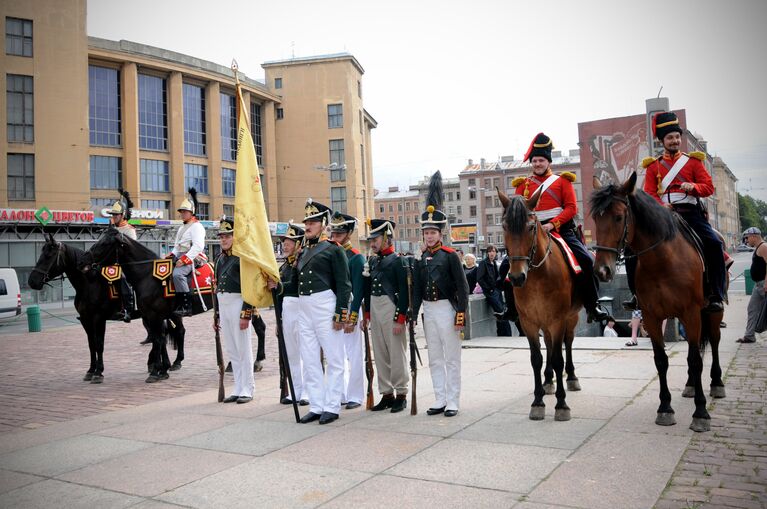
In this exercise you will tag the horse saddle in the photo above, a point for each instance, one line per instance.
(200, 280)
(572, 261)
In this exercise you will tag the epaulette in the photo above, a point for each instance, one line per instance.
(568, 175)
(517, 181)
(448, 249)
(700, 156)
(647, 161)
(354, 250)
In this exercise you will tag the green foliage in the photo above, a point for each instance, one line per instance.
(752, 212)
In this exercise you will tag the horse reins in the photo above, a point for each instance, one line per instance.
(623, 243)
(531, 256)
(56, 261)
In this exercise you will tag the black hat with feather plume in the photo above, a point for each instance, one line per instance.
(433, 217)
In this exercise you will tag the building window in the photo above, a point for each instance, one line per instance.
(228, 210)
(458, 210)
(161, 205)
(496, 182)
(335, 115)
(152, 113)
(277, 82)
(338, 199)
(104, 106)
(457, 195)
(18, 37)
(488, 202)
(472, 211)
(359, 89)
(407, 206)
(196, 175)
(21, 176)
(20, 104)
(391, 208)
(337, 159)
(472, 194)
(106, 172)
(489, 219)
(496, 202)
(497, 219)
(100, 203)
(203, 211)
(381, 209)
(280, 114)
(228, 177)
(194, 120)
(228, 127)
(364, 165)
(255, 131)
(399, 207)
(472, 182)
(155, 176)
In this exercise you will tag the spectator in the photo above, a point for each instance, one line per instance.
(609, 331)
(488, 279)
(470, 269)
(758, 270)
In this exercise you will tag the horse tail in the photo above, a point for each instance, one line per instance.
(705, 332)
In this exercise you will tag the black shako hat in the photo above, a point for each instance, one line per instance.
(342, 223)
(316, 211)
(540, 146)
(380, 227)
(665, 122)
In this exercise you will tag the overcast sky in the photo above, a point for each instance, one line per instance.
(452, 80)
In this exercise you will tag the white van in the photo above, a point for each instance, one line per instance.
(10, 294)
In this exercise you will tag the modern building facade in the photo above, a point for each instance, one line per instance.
(404, 208)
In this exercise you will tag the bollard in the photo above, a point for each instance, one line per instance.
(749, 281)
(33, 319)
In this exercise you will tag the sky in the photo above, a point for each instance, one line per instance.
(450, 80)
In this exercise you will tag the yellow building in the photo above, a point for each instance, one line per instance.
(86, 116)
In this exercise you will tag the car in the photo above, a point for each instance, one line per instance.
(10, 293)
(744, 248)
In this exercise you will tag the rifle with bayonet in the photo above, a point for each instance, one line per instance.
(219, 351)
(414, 353)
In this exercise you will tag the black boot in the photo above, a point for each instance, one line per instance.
(596, 313)
(183, 304)
(510, 313)
(387, 401)
(631, 304)
(127, 307)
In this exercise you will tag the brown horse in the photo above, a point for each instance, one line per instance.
(545, 298)
(669, 283)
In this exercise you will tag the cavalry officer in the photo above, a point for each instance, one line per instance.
(341, 229)
(440, 284)
(324, 289)
(119, 215)
(679, 181)
(234, 316)
(291, 244)
(190, 242)
(556, 209)
(386, 296)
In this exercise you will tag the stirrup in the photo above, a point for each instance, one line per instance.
(631, 304)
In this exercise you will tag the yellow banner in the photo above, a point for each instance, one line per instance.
(252, 240)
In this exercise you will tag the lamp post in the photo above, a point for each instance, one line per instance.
(333, 167)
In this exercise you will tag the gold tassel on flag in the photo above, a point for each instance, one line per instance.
(252, 240)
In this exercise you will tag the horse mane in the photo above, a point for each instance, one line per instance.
(651, 216)
(516, 215)
(141, 249)
(601, 199)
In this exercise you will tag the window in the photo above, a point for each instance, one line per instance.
(361, 122)
(338, 199)
(488, 183)
(399, 207)
(458, 211)
(228, 177)
(391, 208)
(203, 211)
(407, 206)
(161, 205)
(228, 127)
(449, 196)
(337, 158)
(152, 113)
(20, 105)
(497, 219)
(100, 203)
(496, 202)
(18, 37)
(457, 195)
(381, 209)
(335, 116)
(450, 210)
(255, 131)
(194, 120)
(196, 175)
(21, 176)
(472, 182)
(359, 89)
(104, 106)
(277, 82)
(496, 182)
(488, 202)
(228, 210)
(472, 211)
(155, 176)
(489, 219)
(106, 172)
(399, 220)
(472, 194)
(280, 113)
(364, 167)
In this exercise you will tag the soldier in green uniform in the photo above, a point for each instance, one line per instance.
(234, 316)
(386, 295)
(324, 289)
(341, 229)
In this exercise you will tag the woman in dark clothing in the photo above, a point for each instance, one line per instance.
(470, 269)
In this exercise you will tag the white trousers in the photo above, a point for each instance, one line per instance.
(291, 333)
(354, 373)
(315, 324)
(444, 345)
(237, 343)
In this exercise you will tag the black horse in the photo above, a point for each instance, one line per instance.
(92, 300)
(136, 261)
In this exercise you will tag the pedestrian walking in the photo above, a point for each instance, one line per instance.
(758, 271)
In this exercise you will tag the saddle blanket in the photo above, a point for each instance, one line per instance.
(569, 256)
(204, 277)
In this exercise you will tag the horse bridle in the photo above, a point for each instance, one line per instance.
(623, 243)
(534, 246)
(56, 261)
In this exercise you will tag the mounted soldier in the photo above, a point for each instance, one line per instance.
(556, 210)
(190, 243)
(119, 214)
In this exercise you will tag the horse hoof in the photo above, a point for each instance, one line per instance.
(175, 367)
(688, 392)
(152, 379)
(88, 377)
(537, 413)
(717, 391)
(549, 389)
(665, 419)
(163, 376)
(97, 379)
(700, 424)
(573, 385)
(562, 414)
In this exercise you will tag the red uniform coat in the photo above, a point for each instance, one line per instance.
(693, 171)
(564, 196)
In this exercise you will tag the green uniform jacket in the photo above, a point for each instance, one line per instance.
(356, 264)
(439, 275)
(388, 276)
(322, 266)
(227, 272)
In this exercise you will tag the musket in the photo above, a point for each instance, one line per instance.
(368, 357)
(414, 353)
(283, 353)
(219, 352)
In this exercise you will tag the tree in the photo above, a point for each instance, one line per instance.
(752, 212)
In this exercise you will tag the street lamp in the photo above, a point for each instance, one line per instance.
(331, 168)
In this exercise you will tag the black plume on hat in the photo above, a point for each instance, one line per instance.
(128, 204)
(434, 217)
(193, 194)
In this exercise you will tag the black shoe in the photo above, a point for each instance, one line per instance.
(244, 399)
(231, 399)
(352, 405)
(328, 417)
(303, 402)
(386, 402)
(435, 411)
(399, 405)
(258, 366)
(451, 413)
(184, 304)
(125, 316)
(147, 341)
(228, 368)
(310, 417)
(511, 314)
(714, 306)
(598, 314)
(286, 401)
(498, 316)
(631, 304)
